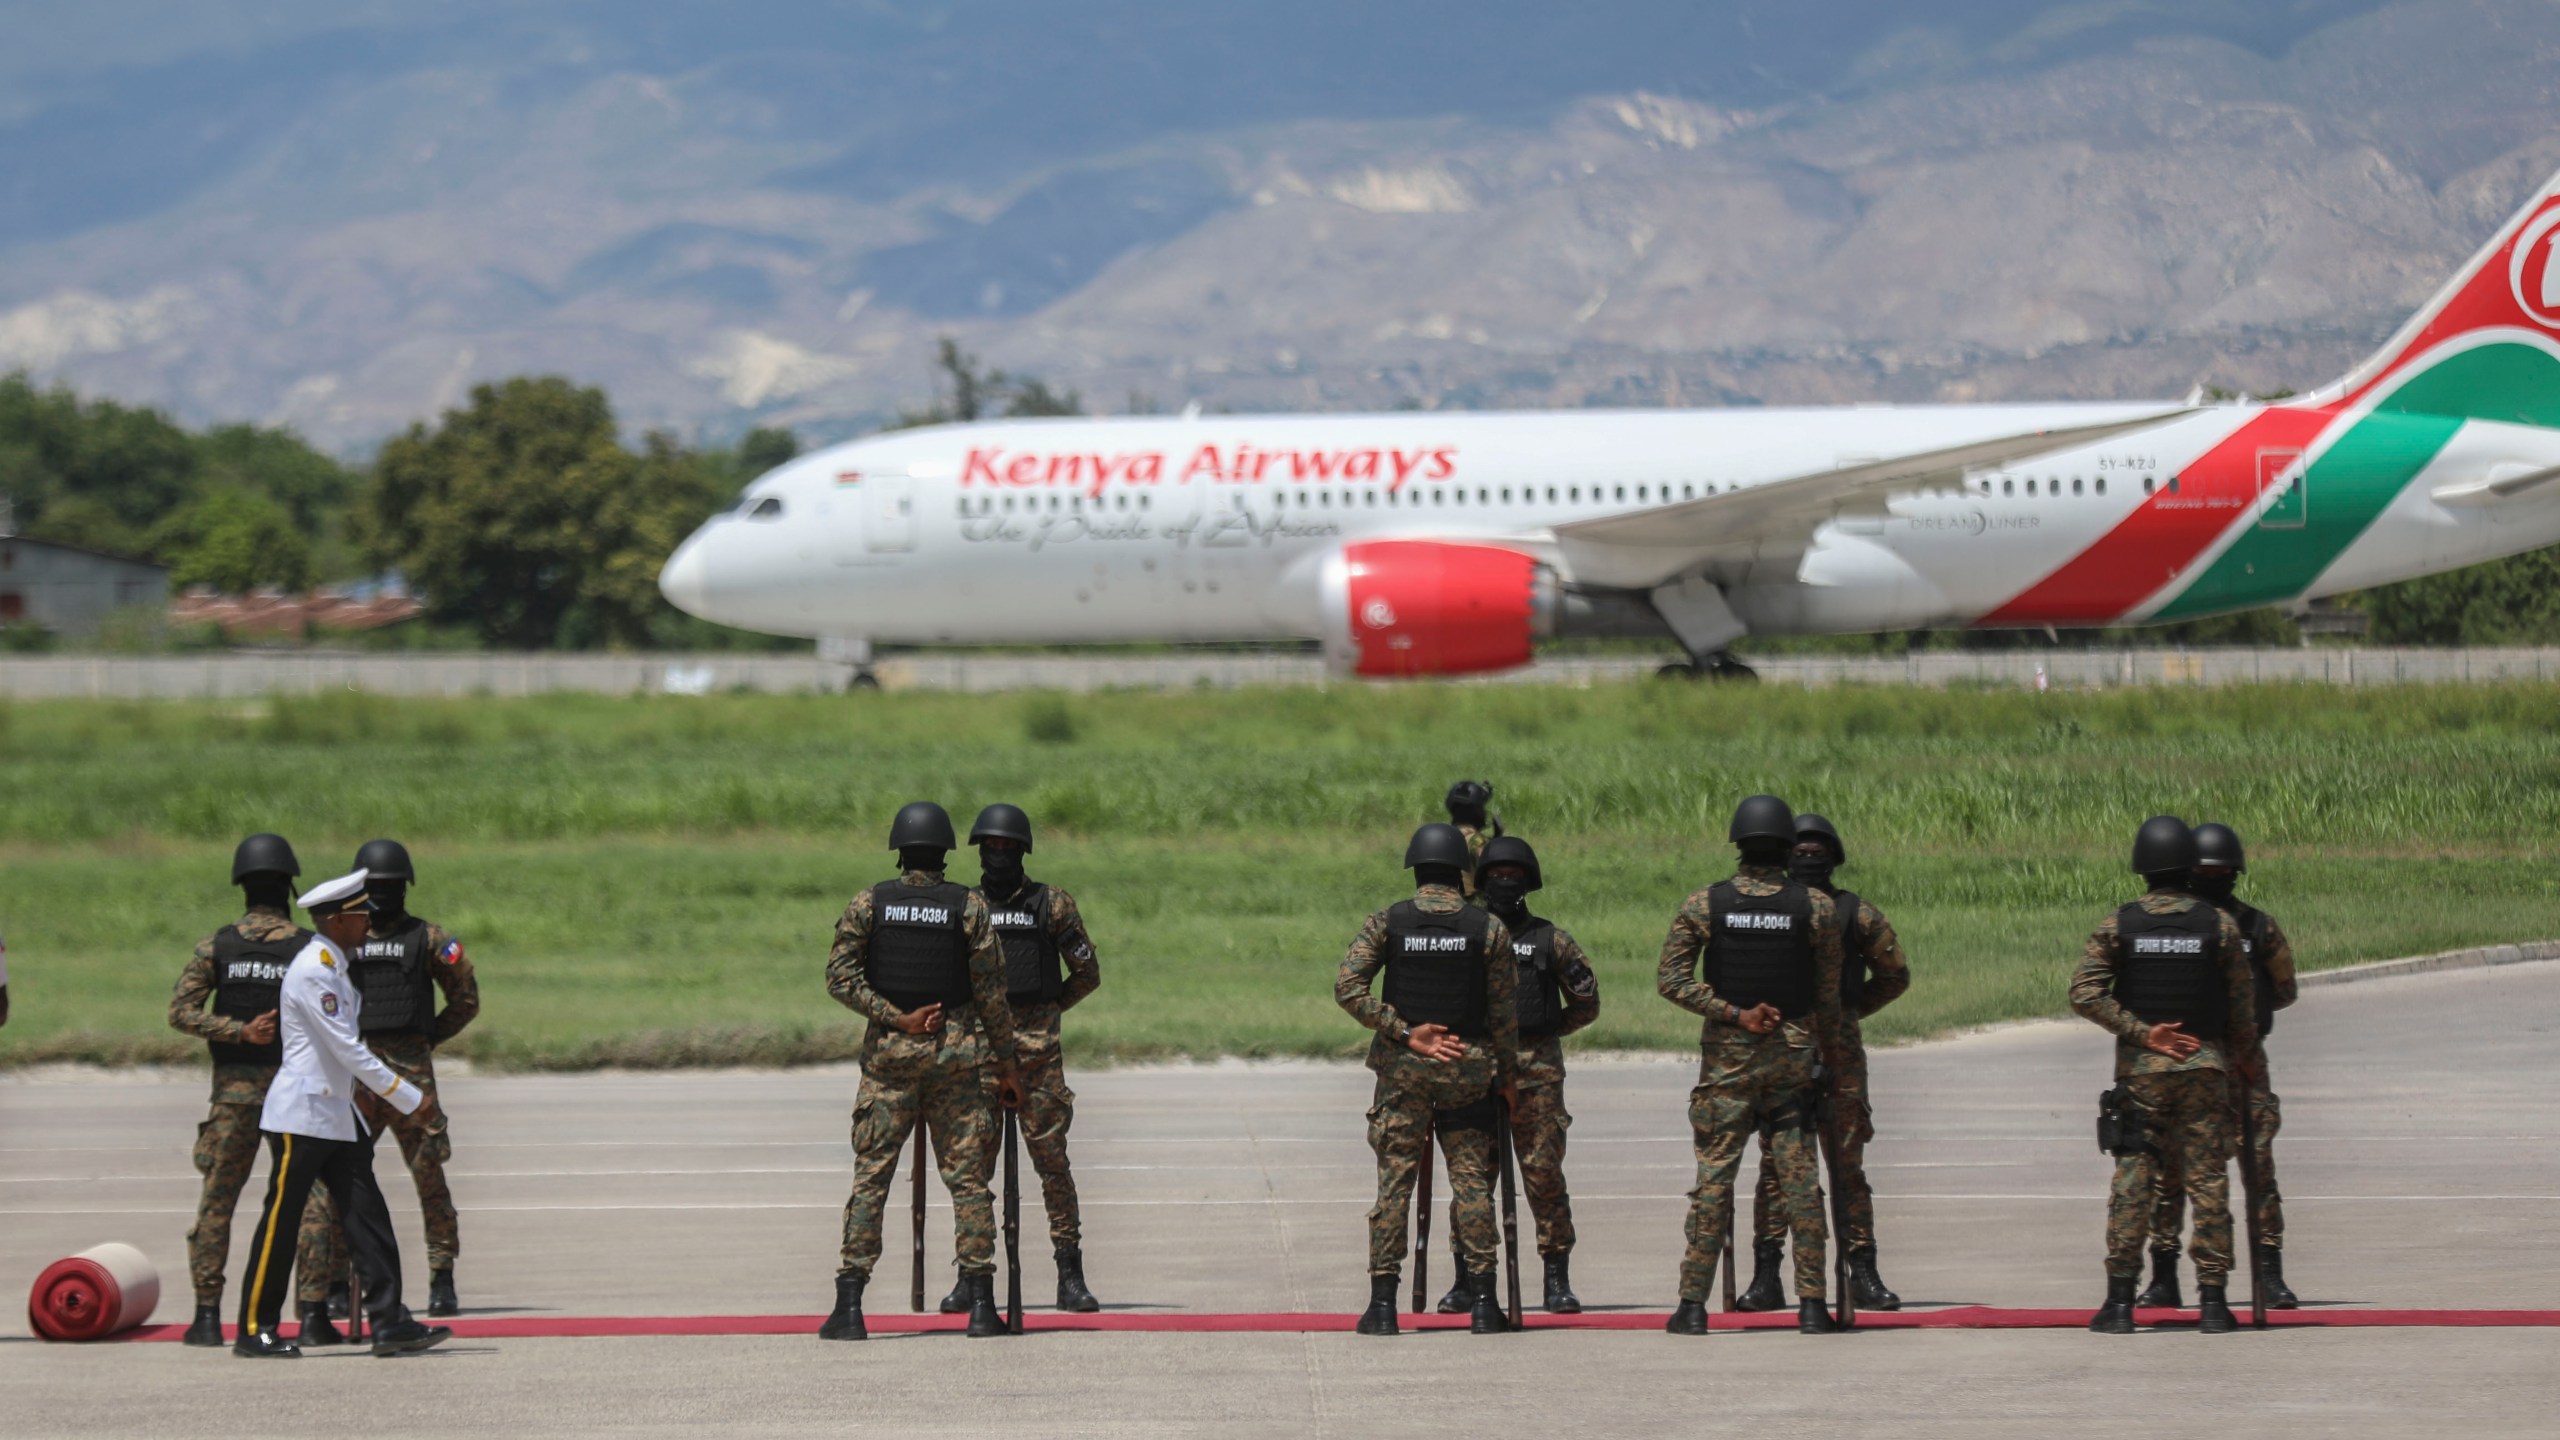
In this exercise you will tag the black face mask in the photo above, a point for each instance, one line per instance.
(2212, 887)
(1505, 893)
(391, 897)
(1000, 870)
(1814, 870)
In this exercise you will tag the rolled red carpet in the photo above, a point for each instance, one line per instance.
(93, 1294)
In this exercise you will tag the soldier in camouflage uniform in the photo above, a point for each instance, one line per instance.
(1555, 994)
(1447, 1041)
(916, 957)
(2272, 982)
(1050, 965)
(226, 997)
(1467, 804)
(1874, 975)
(2167, 976)
(400, 960)
(1769, 948)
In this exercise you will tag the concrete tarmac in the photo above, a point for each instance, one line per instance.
(2417, 1167)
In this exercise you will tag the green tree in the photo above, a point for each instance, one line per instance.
(765, 449)
(2515, 601)
(523, 517)
(234, 540)
(972, 392)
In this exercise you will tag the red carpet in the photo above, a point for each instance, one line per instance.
(1968, 1317)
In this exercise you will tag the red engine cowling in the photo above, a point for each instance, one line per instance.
(1403, 608)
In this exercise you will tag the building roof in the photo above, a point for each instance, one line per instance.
(81, 550)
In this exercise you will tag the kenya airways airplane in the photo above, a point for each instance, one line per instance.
(1448, 544)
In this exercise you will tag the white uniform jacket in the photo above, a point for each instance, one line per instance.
(325, 1057)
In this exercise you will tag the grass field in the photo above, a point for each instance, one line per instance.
(652, 881)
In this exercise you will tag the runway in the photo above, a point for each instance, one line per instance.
(671, 1211)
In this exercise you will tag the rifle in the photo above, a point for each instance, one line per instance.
(915, 1294)
(1725, 1265)
(2249, 1181)
(1826, 1139)
(1422, 1226)
(1013, 1220)
(355, 1293)
(1503, 1157)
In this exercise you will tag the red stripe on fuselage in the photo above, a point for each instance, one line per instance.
(2162, 539)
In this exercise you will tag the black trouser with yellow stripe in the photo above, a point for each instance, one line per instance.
(346, 1168)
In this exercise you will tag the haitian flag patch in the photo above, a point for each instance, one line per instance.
(328, 1003)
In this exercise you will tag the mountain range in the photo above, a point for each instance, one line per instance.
(339, 214)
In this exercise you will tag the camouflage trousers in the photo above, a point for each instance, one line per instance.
(2189, 1120)
(1048, 1108)
(1848, 1123)
(226, 1151)
(1537, 1139)
(426, 1146)
(946, 1096)
(1402, 1120)
(2169, 1191)
(1749, 1082)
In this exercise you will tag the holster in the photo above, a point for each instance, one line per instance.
(1800, 1111)
(2124, 1126)
(1474, 1115)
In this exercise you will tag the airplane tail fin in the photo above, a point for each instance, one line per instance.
(2509, 292)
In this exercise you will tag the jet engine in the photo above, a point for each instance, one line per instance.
(1396, 609)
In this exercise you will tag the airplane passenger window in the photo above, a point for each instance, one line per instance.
(1145, 501)
(2008, 487)
(768, 508)
(1369, 497)
(2075, 484)
(1688, 492)
(1439, 497)
(2146, 484)
(2173, 484)
(1576, 493)
(1551, 494)
(2102, 484)
(1622, 492)
(2031, 487)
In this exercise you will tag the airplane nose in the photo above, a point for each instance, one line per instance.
(685, 580)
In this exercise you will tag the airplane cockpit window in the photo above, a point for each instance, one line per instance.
(768, 508)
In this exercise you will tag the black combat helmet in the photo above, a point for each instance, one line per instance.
(385, 860)
(1763, 817)
(1002, 822)
(263, 855)
(1438, 843)
(2164, 845)
(2219, 844)
(1469, 797)
(1810, 826)
(1510, 850)
(922, 825)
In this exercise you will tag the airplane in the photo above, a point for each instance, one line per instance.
(1446, 544)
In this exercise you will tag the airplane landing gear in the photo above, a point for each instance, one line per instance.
(863, 679)
(1720, 666)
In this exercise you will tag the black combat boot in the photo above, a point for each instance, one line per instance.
(2280, 1296)
(405, 1336)
(2162, 1292)
(1689, 1319)
(2213, 1313)
(207, 1330)
(957, 1302)
(1813, 1317)
(845, 1321)
(1380, 1317)
(2116, 1316)
(1461, 1298)
(316, 1329)
(1484, 1315)
(1560, 1297)
(1764, 1292)
(1865, 1285)
(265, 1345)
(1071, 1292)
(984, 1318)
(440, 1297)
(342, 1305)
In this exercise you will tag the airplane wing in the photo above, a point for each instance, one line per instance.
(1734, 532)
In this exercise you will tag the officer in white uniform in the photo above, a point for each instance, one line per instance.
(317, 1134)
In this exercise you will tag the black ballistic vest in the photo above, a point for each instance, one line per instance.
(919, 952)
(2165, 969)
(1435, 967)
(1853, 950)
(390, 972)
(248, 977)
(1760, 948)
(1540, 992)
(1033, 972)
(2253, 943)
